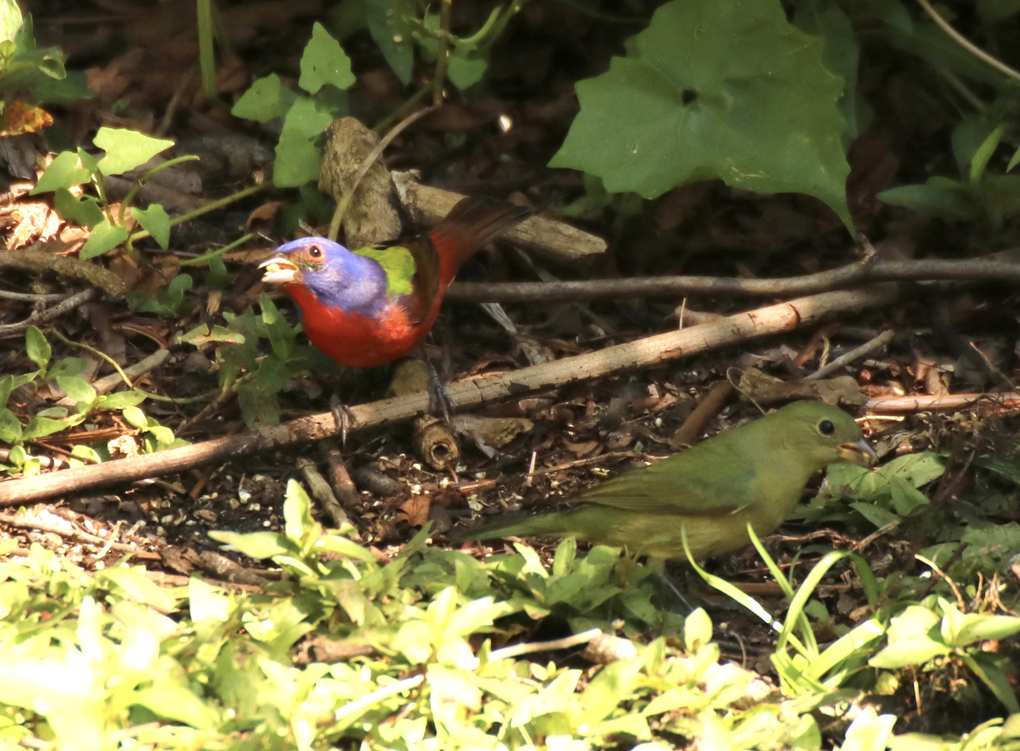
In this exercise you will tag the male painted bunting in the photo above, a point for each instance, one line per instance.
(752, 473)
(372, 306)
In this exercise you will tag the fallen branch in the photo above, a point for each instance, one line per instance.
(718, 286)
(901, 405)
(644, 352)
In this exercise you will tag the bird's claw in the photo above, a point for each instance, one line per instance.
(343, 416)
(439, 399)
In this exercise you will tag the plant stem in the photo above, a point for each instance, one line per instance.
(211, 206)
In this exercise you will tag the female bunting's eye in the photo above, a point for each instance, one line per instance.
(825, 427)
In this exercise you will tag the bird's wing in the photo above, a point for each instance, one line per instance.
(412, 274)
(707, 482)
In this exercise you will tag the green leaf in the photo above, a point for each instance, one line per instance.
(940, 197)
(297, 156)
(67, 366)
(257, 545)
(714, 90)
(120, 400)
(869, 731)
(37, 348)
(916, 651)
(984, 153)
(389, 23)
(64, 172)
(135, 418)
(875, 514)
(78, 389)
(40, 427)
(324, 62)
(259, 407)
(697, 630)
(126, 149)
(156, 221)
(264, 101)
(10, 20)
(202, 335)
(84, 211)
(104, 238)
(297, 512)
(10, 428)
(177, 703)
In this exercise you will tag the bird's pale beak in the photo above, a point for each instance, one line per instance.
(279, 270)
(859, 453)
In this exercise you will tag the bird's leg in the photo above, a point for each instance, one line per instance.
(342, 414)
(439, 398)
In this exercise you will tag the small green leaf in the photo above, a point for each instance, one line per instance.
(259, 545)
(697, 630)
(120, 400)
(40, 427)
(904, 652)
(202, 335)
(877, 515)
(156, 221)
(281, 335)
(324, 62)
(10, 428)
(297, 512)
(37, 348)
(389, 23)
(940, 197)
(64, 172)
(104, 238)
(297, 160)
(126, 149)
(67, 366)
(135, 418)
(84, 211)
(264, 101)
(984, 153)
(260, 408)
(78, 389)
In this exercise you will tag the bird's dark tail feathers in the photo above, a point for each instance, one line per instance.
(471, 223)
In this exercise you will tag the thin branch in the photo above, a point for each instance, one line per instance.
(44, 316)
(718, 286)
(1007, 402)
(645, 352)
(545, 646)
(868, 347)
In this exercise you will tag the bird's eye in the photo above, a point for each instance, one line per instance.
(315, 252)
(825, 427)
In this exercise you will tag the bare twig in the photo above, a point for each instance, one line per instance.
(899, 405)
(878, 342)
(545, 646)
(644, 352)
(719, 286)
(43, 316)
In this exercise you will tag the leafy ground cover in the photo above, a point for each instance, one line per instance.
(155, 153)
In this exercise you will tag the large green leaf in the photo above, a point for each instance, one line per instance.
(714, 90)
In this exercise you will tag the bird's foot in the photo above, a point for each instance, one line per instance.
(343, 416)
(440, 402)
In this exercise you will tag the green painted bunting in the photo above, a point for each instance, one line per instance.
(754, 473)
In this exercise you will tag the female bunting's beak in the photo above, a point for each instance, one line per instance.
(859, 453)
(280, 270)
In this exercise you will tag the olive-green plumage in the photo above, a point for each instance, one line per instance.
(753, 473)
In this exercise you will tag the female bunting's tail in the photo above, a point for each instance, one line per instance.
(471, 223)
